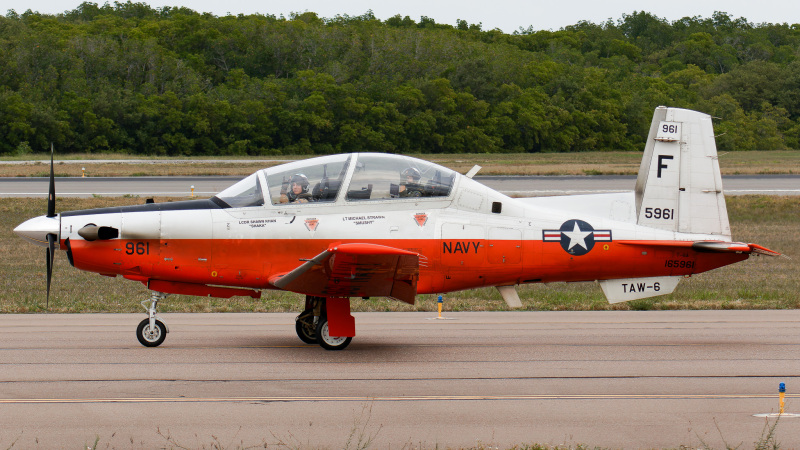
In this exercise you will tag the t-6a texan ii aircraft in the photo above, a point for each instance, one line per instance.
(378, 225)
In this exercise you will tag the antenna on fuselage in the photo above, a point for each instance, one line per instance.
(473, 171)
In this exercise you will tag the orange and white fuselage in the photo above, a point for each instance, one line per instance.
(458, 249)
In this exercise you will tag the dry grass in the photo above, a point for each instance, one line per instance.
(758, 283)
(610, 163)
(148, 169)
(584, 163)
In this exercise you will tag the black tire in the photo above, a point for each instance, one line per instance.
(330, 342)
(149, 339)
(304, 325)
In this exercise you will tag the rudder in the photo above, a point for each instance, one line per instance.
(679, 186)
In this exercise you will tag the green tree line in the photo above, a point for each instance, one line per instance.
(170, 81)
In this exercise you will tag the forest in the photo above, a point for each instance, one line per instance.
(129, 78)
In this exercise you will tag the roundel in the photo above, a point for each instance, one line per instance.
(577, 237)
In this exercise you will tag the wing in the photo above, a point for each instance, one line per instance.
(355, 270)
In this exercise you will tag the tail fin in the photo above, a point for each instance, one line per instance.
(679, 187)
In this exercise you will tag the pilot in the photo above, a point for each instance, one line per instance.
(299, 189)
(409, 183)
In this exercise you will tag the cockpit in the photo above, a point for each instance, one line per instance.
(357, 177)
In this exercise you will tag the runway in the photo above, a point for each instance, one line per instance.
(611, 379)
(519, 186)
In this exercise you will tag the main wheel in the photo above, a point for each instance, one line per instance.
(304, 325)
(327, 341)
(148, 337)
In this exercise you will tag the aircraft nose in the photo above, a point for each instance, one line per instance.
(36, 230)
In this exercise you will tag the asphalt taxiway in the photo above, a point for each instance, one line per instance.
(611, 379)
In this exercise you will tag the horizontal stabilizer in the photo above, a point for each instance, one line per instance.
(763, 250)
(627, 289)
(708, 246)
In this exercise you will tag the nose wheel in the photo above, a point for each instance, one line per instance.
(151, 336)
(151, 332)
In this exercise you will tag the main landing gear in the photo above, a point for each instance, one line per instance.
(306, 322)
(313, 325)
(151, 332)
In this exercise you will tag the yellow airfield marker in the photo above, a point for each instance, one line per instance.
(781, 402)
(440, 302)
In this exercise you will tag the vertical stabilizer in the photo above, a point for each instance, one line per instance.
(679, 187)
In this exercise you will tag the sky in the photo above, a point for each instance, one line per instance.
(507, 15)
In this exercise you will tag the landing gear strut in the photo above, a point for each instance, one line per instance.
(312, 324)
(151, 332)
(306, 322)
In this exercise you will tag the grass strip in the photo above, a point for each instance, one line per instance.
(582, 163)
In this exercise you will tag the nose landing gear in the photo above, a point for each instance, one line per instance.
(151, 332)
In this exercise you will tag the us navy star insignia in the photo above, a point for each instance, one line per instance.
(576, 237)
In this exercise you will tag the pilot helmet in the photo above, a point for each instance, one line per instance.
(413, 173)
(300, 179)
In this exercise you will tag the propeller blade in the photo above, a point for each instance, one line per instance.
(51, 253)
(51, 198)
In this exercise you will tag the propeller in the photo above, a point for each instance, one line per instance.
(51, 251)
(51, 198)
(51, 237)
